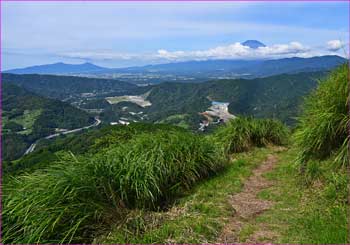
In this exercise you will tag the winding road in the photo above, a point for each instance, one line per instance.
(32, 146)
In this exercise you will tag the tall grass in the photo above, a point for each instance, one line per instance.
(242, 133)
(149, 170)
(322, 139)
(52, 206)
(75, 199)
(322, 128)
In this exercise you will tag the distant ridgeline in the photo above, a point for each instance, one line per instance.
(198, 71)
(211, 69)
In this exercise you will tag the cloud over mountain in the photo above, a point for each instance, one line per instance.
(232, 51)
(335, 45)
(238, 51)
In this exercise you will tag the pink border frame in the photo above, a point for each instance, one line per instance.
(182, 1)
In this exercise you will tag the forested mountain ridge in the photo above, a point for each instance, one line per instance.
(261, 97)
(65, 87)
(57, 68)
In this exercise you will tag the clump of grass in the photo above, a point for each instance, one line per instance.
(149, 170)
(51, 206)
(322, 128)
(241, 134)
(71, 201)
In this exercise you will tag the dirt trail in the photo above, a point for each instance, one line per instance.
(247, 205)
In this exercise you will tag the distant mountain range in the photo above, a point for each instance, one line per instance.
(205, 70)
(239, 68)
(58, 68)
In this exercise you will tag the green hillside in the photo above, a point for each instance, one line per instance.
(66, 87)
(262, 98)
(27, 117)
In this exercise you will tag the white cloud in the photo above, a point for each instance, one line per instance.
(231, 51)
(335, 45)
(220, 52)
(237, 51)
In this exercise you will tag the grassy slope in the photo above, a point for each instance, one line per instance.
(89, 141)
(301, 214)
(307, 214)
(197, 217)
(27, 120)
(77, 197)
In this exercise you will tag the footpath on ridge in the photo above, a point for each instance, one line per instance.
(247, 205)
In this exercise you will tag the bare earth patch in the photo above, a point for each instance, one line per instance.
(247, 206)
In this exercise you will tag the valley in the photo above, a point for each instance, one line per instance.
(193, 106)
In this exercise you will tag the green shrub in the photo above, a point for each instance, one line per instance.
(65, 202)
(240, 134)
(322, 128)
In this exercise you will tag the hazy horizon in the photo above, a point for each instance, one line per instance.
(121, 34)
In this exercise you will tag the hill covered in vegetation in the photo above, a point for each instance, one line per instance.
(66, 87)
(261, 98)
(27, 117)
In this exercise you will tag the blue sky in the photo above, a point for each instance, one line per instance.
(116, 34)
